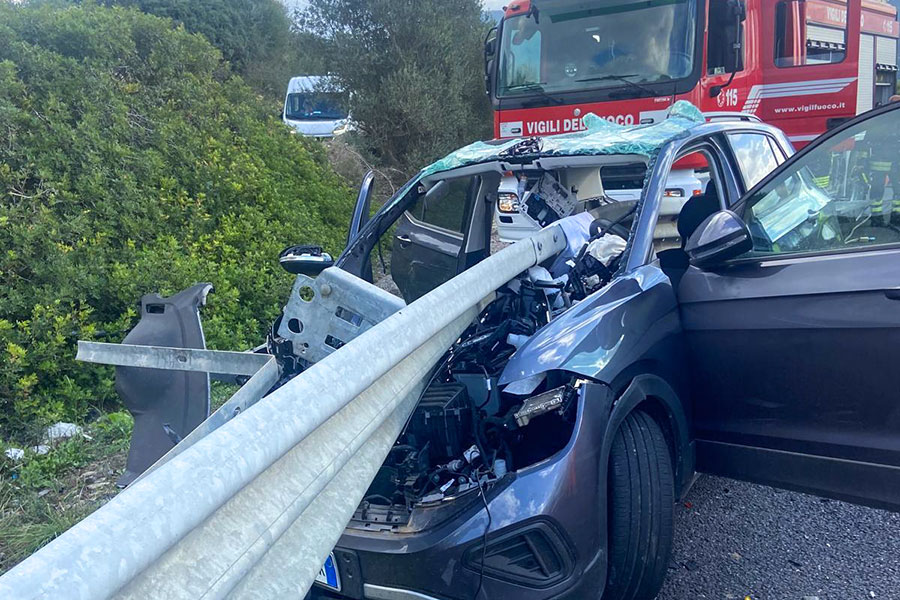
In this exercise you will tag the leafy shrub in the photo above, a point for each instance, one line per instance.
(132, 160)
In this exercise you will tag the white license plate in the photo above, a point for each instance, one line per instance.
(328, 575)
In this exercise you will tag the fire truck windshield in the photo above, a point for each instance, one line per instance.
(565, 46)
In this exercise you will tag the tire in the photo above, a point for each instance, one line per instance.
(641, 506)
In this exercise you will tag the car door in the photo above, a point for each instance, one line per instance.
(429, 237)
(795, 346)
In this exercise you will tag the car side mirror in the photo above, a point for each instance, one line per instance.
(720, 237)
(305, 260)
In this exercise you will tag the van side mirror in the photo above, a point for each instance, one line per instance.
(490, 51)
(305, 260)
(730, 24)
(722, 236)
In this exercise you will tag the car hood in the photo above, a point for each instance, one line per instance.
(609, 327)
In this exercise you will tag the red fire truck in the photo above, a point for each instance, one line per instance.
(802, 65)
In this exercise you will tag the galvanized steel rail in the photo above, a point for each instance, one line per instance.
(253, 506)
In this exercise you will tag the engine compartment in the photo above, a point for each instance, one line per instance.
(466, 434)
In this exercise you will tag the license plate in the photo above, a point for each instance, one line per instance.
(328, 575)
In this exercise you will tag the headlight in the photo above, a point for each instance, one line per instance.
(343, 126)
(507, 202)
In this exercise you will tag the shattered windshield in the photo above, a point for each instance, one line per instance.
(574, 46)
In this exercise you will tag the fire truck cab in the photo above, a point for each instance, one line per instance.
(802, 65)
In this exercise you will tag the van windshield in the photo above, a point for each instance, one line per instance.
(315, 106)
(569, 46)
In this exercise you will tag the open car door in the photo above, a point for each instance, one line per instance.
(439, 236)
(795, 345)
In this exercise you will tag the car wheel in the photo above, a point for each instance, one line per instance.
(641, 506)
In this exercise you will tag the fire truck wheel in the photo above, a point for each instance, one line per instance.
(641, 506)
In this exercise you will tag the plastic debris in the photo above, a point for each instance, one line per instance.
(40, 450)
(15, 453)
(61, 431)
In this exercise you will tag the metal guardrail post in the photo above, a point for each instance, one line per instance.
(262, 369)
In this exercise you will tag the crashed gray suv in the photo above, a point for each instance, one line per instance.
(747, 331)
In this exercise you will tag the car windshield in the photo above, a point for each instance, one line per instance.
(315, 105)
(575, 46)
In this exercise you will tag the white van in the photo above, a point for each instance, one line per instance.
(314, 108)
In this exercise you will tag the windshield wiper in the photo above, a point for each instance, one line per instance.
(534, 87)
(623, 79)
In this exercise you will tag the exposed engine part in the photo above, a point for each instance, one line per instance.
(466, 434)
(539, 405)
(442, 419)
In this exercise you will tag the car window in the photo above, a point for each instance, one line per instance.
(754, 155)
(842, 194)
(449, 211)
(696, 196)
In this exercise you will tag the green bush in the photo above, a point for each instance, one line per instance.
(132, 160)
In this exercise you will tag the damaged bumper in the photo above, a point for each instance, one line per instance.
(547, 534)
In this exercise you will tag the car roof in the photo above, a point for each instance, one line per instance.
(601, 137)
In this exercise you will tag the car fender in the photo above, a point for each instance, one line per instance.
(600, 337)
(653, 393)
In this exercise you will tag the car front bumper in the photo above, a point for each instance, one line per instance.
(547, 534)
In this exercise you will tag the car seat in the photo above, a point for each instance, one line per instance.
(696, 210)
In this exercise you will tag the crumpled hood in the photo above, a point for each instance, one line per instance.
(597, 331)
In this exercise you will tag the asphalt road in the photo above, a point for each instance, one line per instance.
(734, 539)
